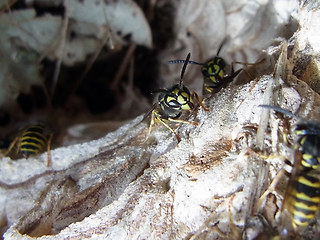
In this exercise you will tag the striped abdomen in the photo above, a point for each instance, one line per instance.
(309, 146)
(32, 140)
(213, 73)
(304, 199)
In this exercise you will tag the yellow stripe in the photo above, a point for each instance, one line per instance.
(40, 141)
(297, 222)
(306, 164)
(303, 196)
(306, 207)
(301, 132)
(207, 88)
(32, 132)
(305, 181)
(303, 215)
(32, 144)
(307, 156)
(38, 135)
(30, 150)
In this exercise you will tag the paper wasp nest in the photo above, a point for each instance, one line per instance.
(123, 186)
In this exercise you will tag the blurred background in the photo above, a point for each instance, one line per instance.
(85, 67)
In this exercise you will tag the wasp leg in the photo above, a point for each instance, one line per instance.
(12, 144)
(183, 121)
(156, 116)
(248, 64)
(179, 121)
(174, 120)
(150, 125)
(212, 90)
(270, 189)
(235, 73)
(167, 126)
(200, 101)
(48, 150)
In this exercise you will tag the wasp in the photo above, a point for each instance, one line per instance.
(32, 140)
(302, 196)
(213, 71)
(173, 102)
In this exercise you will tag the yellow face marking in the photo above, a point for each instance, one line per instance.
(210, 71)
(185, 107)
(221, 74)
(169, 99)
(210, 63)
(185, 95)
(212, 79)
(175, 91)
(216, 68)
(181, 100)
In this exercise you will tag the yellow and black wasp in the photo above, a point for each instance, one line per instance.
(32, 140)
(172, 102)
(302, 196)
(213, 72)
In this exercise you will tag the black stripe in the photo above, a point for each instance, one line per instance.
(35, 141)
(305, 211)
(307, 190)
(34, 136)
(306, 202)
(29, 147)
(35, 129)
(301, 219)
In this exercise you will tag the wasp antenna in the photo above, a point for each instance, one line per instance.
(222, 44)
(184, 68)
(183, 61)
(280, 110)
(175, 61)
(220, 47)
